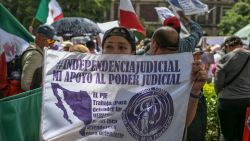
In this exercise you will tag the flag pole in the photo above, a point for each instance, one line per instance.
(33, 21)
(31, 26)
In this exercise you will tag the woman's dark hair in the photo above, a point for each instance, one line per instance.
(123, 32)
(233, 41)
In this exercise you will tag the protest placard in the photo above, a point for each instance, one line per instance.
(190, 7)
(115, 97)
(163, 13)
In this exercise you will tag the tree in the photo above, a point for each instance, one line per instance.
(25, 10)
(247, 1)
(235, 19)
(92, 9)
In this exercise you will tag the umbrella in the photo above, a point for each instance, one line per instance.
(244, 32)
(75, 26)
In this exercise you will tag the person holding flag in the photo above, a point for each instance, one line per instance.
(188, 43)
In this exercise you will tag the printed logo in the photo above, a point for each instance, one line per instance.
(149, 114)
(79, 103)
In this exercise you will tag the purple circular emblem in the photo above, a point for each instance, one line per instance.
(149, 114)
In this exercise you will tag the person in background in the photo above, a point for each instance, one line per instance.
(196, 131)
(66, 45)
(79, 48)
(232, 85)
(218, 54)
(32, 58)
(165, 40)
(145, 47)
(97, 39)
(91, 46)
(189, 43)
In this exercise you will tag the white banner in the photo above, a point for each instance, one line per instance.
(213, 40)
(115, 97)
(108, 25)
(190, 7)
(163, 13)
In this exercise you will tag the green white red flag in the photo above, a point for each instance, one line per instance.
(14, 39)
(49, 11)
(128, 17)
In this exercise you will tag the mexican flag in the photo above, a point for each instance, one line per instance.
(128, 17)
(19, 114)
(14, 39)
(49, 11)
(14, 36)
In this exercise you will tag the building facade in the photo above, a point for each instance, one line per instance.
(145, 10)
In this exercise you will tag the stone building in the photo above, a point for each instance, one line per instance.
(145, 10)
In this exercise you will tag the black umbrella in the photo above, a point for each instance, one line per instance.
(75, 26)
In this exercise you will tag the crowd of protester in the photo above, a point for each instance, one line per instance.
(228, 68)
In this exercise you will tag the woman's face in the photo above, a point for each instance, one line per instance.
(116, 45)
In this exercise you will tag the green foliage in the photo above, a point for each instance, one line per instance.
(25, 10)
(212, 119)
(235, 19)
(92, 9)
(248, 1)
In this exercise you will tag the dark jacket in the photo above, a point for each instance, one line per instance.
(227, 68)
